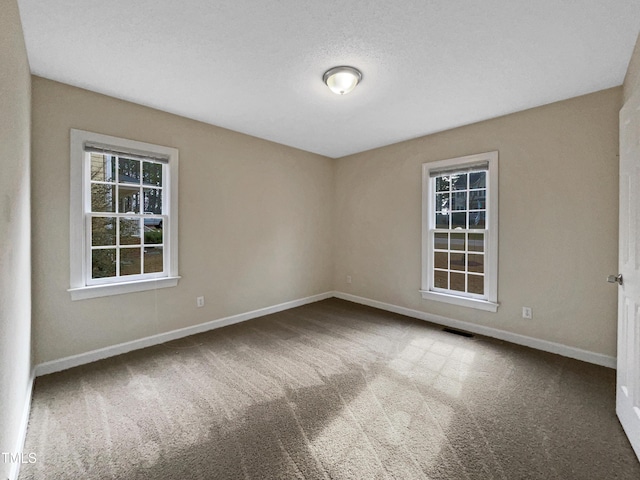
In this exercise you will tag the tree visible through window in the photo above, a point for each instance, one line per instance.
(458, 236)
(131, 244)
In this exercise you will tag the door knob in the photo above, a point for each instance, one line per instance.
(615, 279)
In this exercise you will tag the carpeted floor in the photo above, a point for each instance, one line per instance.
(331, 390)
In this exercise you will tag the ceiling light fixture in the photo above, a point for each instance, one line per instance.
(341, 80)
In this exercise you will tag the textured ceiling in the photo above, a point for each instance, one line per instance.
(256, 67)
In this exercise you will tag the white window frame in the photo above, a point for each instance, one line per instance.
(80, 206)
(488, 301)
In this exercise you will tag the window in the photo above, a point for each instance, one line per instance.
(124, 216)
(460, 231)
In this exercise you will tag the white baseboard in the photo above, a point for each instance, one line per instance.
(92, 356)
(24, 423)
(544, 345)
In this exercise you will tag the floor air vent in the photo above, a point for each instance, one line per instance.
(457, 332)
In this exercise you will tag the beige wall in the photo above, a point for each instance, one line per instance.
(558, 220)
(15, 256)
(631, 84)
(262, 223)
(255, 224)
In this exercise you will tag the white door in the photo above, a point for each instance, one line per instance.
(628, 375)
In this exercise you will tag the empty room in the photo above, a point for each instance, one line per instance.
(312, 240)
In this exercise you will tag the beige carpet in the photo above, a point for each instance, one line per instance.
(331, 390)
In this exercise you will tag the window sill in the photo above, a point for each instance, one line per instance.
(461, 301)
(96, 291)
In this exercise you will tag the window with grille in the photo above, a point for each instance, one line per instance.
(460, 231)
(124, 215)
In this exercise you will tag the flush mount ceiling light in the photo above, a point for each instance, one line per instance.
(341, 80)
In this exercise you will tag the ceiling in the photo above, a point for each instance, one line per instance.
(256, 66)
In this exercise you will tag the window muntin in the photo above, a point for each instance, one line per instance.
(125, 218)
(460, 231)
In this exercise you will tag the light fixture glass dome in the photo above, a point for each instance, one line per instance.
(341, 80)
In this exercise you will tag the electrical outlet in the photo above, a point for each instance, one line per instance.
(348, 278)
(200, 302)
(527, 313)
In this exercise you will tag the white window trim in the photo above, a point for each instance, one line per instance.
(491, 254)
(77, 240)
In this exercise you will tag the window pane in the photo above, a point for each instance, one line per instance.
(128, 171)
(459, 220)
(457, 282)
(442, 202)
(476, 263)
(152, 235)
(103, 231)
(152, 222)
(440, 279)
(129, 199)
(442, 221)
(152, 259)
(103, 168)
(457, 261)
(103, 198)
(457, 241)
(477, 220)
(129, 231)
(103, 263)
(441, 260)
(152, 200)
(130, 261)
(478, 180)
(442, 184)
(477, 200)
(459, 181)
(459, 201)
(441, 241)
(152, 173)
(476, 284)
(476, 242)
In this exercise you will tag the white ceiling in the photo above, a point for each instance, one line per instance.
(256, 66)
